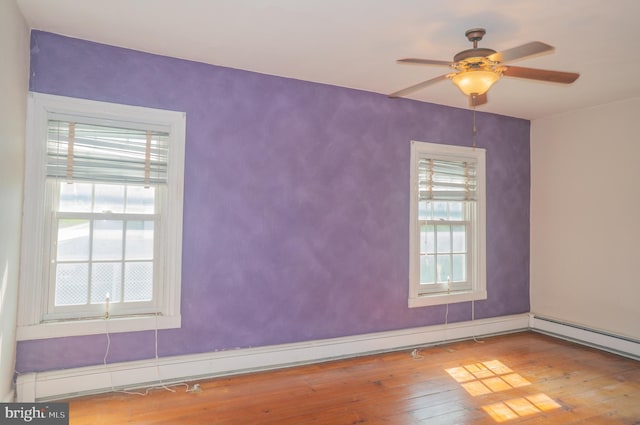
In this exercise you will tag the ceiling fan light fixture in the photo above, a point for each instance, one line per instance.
(474, 81)
(477, 69)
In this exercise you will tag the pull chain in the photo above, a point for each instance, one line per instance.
(474, 130)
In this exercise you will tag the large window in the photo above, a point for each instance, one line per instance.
(103, 218)
(447, 243)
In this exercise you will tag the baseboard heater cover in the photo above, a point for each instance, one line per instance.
(616, 344)
(60, 384)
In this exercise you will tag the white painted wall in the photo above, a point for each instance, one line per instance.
(585, 217)
(14, 79)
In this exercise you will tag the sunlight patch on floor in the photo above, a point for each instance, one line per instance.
(486, 377)
(520, 407)
(493, 377)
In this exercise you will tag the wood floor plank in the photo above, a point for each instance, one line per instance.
(524, 378)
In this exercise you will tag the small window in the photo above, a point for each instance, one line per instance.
(100, 177)
(447, 224)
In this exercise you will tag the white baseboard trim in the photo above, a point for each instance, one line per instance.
(66, 383)
(616, 344)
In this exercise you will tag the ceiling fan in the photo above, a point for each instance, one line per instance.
(478, 68)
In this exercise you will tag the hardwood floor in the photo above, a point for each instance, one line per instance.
(523, 378)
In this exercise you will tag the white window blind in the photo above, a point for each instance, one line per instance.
(89, 152)
(446, 180)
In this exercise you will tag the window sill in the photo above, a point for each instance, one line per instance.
(96, 326)
(452, 298)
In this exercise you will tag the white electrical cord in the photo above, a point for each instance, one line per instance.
(415, 354)
(473, 318)
(195, 388)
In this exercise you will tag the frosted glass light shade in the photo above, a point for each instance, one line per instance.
(475, 81)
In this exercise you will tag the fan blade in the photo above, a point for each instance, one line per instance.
(521, 52)
(477, 99)
(418, 86)
(424, 62)
(540, 74)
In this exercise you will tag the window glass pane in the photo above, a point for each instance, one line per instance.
(139, 240)
(444, 268)
(427, 236)
(140, 199)
(138, 281)
(107, 239)
(108, 198)
(424, 210)
(443, 238)
(71, 284)
(456, 211)
(73, 240)
(427, 269)
(459, 238)
(106, 279)
(459, 268)
(439, 210)
(75, 197)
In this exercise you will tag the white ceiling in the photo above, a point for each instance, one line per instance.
(354, 43)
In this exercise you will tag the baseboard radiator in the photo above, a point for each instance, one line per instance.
(59, 384)
(617, 344)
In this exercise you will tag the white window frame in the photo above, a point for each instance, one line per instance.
(35, 251)
(477, 243)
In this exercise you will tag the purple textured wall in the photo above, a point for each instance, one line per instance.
(296, 213)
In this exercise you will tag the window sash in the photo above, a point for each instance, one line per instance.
(441, 179)
(92, 310)
(452, 285)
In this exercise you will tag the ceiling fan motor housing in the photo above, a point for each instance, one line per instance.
(478, 52)
(474, 35)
